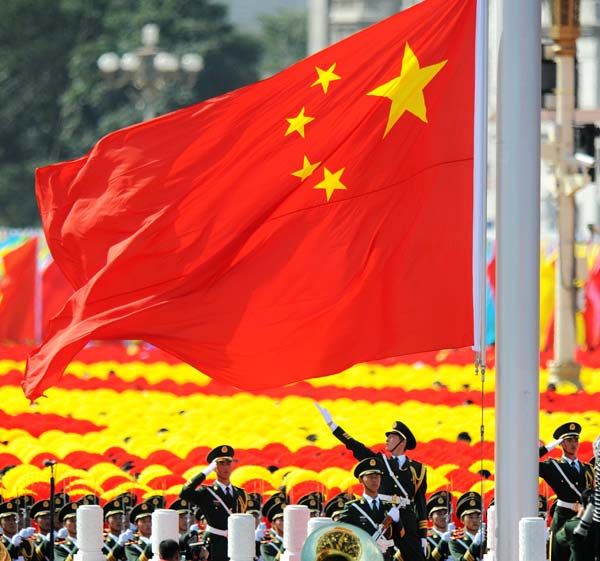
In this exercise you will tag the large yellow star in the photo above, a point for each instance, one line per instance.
(406, 91)
(331, 182)
(307, 169)
(325, 77)
(298, 123)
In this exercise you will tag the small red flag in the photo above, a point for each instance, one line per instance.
(17, 290)
(285, 230)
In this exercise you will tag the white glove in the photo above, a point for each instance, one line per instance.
(326, 416)
(424, 545)
(480, 535)
(27, 532)
(259, 534)
(16, 540)
(62, 534)
(451, 526)
(194, 528)
(125, 537)
(394, 513)
(446, 536)
(554, 444)
(210, 468)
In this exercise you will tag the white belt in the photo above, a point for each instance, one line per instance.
(565, 504)
(212, 530)
(400, 502)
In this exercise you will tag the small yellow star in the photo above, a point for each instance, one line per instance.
(331, 182)
(297, 123)
(307, 169)
(406, 91)
(325, 77)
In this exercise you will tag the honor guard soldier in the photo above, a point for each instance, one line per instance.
(439, 508)
(469, 542)
(569, 478)
(370, 512)
(140, 547)
(271, 547)
(114, 538)
(253, 508)
(15, 545)
(581, 539)
(335, 505)
(216, 501)
(65, 550)
(183, 509)
(402, 477)
(40, 514)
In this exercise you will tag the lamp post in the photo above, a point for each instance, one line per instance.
(149, 69)
(565, 30)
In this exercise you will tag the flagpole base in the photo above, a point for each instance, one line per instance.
(567, 371)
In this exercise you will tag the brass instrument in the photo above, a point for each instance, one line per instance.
(340, 542)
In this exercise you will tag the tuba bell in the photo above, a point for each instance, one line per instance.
(340, 542)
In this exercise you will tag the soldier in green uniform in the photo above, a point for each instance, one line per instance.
(581, 548)
(140, 547)
(65, 550)
(216, 501)
(271, 546)
(469, 542)
(568, 477)
(114, 538)
(15, 545)
(370, 512)
(40, 513)
(253, 507)
(439, 507)
(402, 477)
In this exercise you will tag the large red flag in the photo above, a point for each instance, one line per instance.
(56, 290)
(288, 229)
(17, 290)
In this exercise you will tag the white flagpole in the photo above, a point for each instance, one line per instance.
(480, 181)
(517, 273)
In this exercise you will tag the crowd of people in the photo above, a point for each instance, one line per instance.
(406, 522)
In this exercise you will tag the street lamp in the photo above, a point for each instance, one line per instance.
(565, 30)
(149, 69)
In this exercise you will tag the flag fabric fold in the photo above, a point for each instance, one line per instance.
(285, 230)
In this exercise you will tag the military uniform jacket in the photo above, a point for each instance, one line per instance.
(41, 547)
(65, 550)
(138, 549)
(581, 479)
(437, 548)
(271, 549)
(112, 549)
(356, 516)
(463, 548)
(581, 549)
(25, 549)
(205, 498)
(412, 476)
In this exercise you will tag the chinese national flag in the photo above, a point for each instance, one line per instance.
(285, 230)
(17, 289)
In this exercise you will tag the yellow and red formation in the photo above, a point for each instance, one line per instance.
(137, 408)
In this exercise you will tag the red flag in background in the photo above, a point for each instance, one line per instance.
(56, 290)
(17, 290)
(288, 229)
(591, 313)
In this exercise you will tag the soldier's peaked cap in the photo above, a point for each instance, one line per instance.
(468, 503)
(568, 429)
(367, 466)
(141, 510)
(223, 452)
(402, 430)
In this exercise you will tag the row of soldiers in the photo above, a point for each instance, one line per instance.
(394, 508)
